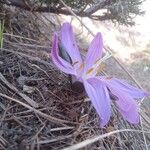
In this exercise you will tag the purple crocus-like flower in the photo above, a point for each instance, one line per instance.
(98, 88)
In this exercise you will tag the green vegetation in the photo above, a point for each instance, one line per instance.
(1, 33)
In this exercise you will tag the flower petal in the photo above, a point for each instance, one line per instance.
(99, 96)
(69, 43)
(127, 105)
(94, 51)
(127, 88)
(58, 61)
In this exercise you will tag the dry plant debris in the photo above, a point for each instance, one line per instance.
(62, 117)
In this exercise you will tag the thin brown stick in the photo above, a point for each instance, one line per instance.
(55, 139)
(13, 88)
(3, 143)
(20, 37)
(37, 59)
(48, 117)
(27, 45)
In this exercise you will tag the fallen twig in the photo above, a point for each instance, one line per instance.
(37, 59)
(25, 97)
(48, 117)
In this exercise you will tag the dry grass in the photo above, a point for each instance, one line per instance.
(62, 118)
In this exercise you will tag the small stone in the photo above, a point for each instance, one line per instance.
(1, 63)
(28, 89)
(21, 80)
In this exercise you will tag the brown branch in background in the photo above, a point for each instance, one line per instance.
(122, 11)
(31, 7)
(22, 5)
(102, 18)
(97, 7)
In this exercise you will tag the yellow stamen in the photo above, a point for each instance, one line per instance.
(81, 66)
(90, 70)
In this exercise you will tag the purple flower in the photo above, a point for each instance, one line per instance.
(98, 88)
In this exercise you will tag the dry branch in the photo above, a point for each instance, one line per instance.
(57, 10)
(49, 9)
(15, 90)
(37, 59)
(96, 7)
(48, 117)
